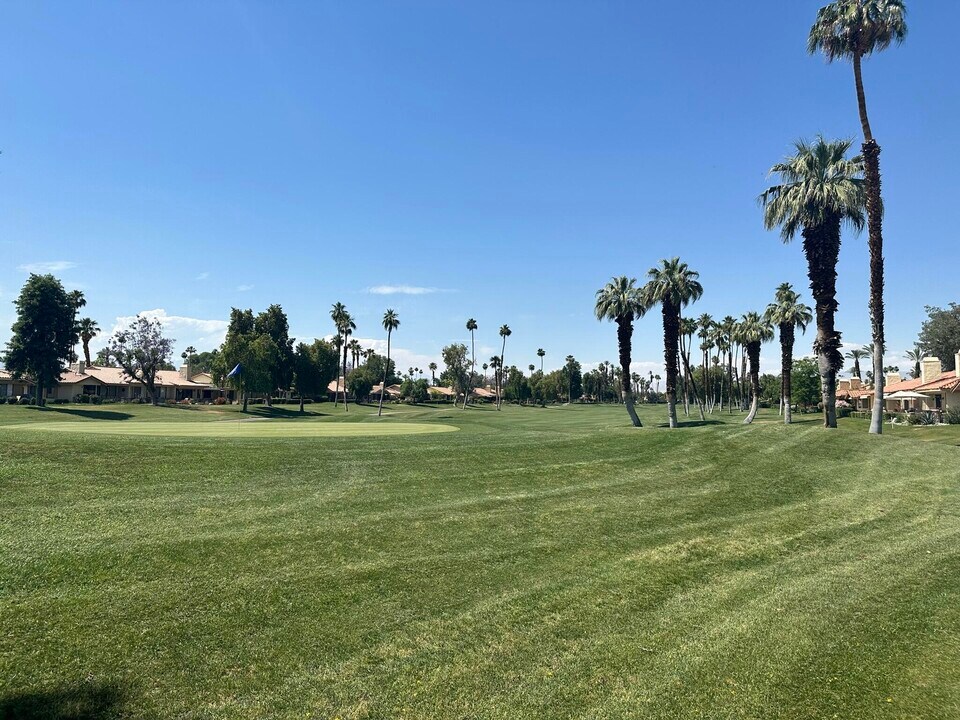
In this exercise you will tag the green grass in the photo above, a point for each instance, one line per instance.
(540, 563)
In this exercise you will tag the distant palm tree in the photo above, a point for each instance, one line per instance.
(820, 190)
(705, 327)
(347, 327)
(187, 355)
(754, 331)
(495, 365)
(672, 285)
(472, 327)
(531, 367)
(88, 329)
(854, 29)
(568, 366)
(916, 356)
(620, 301)
(485, 366)
(787, 313)
(505, 332)
(541, 352)
(391, 321)
(856, 355)
(433, 373)
(339, 314)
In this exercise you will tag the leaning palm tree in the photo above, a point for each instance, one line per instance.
(87, 329)
(854, 29)
(472, 327)
(820, 189)
(505, 332)
(672, 285)
(540, 353)
(620, 301)
(788, 314)
(754, 331)
(856, 355)
(391, 321)
(916, 356)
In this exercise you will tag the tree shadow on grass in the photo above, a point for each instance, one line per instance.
(80, 701)
(90, 414)
(281, 412)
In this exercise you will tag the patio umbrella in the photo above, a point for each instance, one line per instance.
(906, 395)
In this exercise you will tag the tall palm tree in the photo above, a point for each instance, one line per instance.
(485, 366)
(433, 373)
(688, 328)
(705, 327)
(672, 285)
(620, 301)
(854, 29)
(338, 313)
(505, 332)
(820, 189)
(754, 331)
(540, 353)
(391, 321)
(916, 356)
(88, 329)
(788, 314)
(472, 327)
(856, 355)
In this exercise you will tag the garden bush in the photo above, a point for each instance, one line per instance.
(952, 416)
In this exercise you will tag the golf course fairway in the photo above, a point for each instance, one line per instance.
(246, 429)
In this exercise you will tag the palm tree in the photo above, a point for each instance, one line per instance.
(916, 356)
(433, 373)
(88, 329)
(495, 364)
(540, 353)
(187, 355)
(688, 328)
(485, 366)
(505, 332)
(568, 366)
(338, 313)
(854, 29)
(672, 285)
(620, 301)
(788, 314)
(391, 321)
(472, 327)
(754, 331)
(820, 190)
(856, 355)
(705, 327)
(347, 328)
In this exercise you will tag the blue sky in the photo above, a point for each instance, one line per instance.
(494, 160)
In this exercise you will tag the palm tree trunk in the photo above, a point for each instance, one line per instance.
(786, 368)
(871, 161)
(821, 244)
(345, 409)
(473, 367)
(503, 350)
(671, 339)
(625, 340)
(753, 350)
(386, 369)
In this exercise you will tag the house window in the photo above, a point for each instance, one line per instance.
(4, 390)
(939, 399)
(136, 391)
(90, 390)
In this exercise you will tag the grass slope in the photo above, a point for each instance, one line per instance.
(541, 563)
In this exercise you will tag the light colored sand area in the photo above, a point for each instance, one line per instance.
(239, 429)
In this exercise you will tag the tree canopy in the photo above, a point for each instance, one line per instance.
(940, 333)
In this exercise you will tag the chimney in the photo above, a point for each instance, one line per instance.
(81, 368)
(956, 364)
(892, 378)
(930, 370)
(855, 383)
(843, 385)
(185, 371)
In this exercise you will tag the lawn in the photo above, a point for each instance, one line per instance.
(537, 563)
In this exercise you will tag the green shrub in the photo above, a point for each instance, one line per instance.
(24, 400)
(11, 400)
(952, 416)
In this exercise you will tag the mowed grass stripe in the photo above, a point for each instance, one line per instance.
(246, 429)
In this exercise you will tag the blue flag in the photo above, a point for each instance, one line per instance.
(235, 371)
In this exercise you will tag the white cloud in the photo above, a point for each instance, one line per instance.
(202, 334)
(202, 276)
(244, 288)
(41, 268)
(402, 290)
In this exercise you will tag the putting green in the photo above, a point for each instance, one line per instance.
(240, 428)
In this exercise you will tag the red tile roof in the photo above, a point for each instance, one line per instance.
(947, 381)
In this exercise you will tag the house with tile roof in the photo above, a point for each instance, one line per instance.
(935, 390)
(110, 383)
(11, 387)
